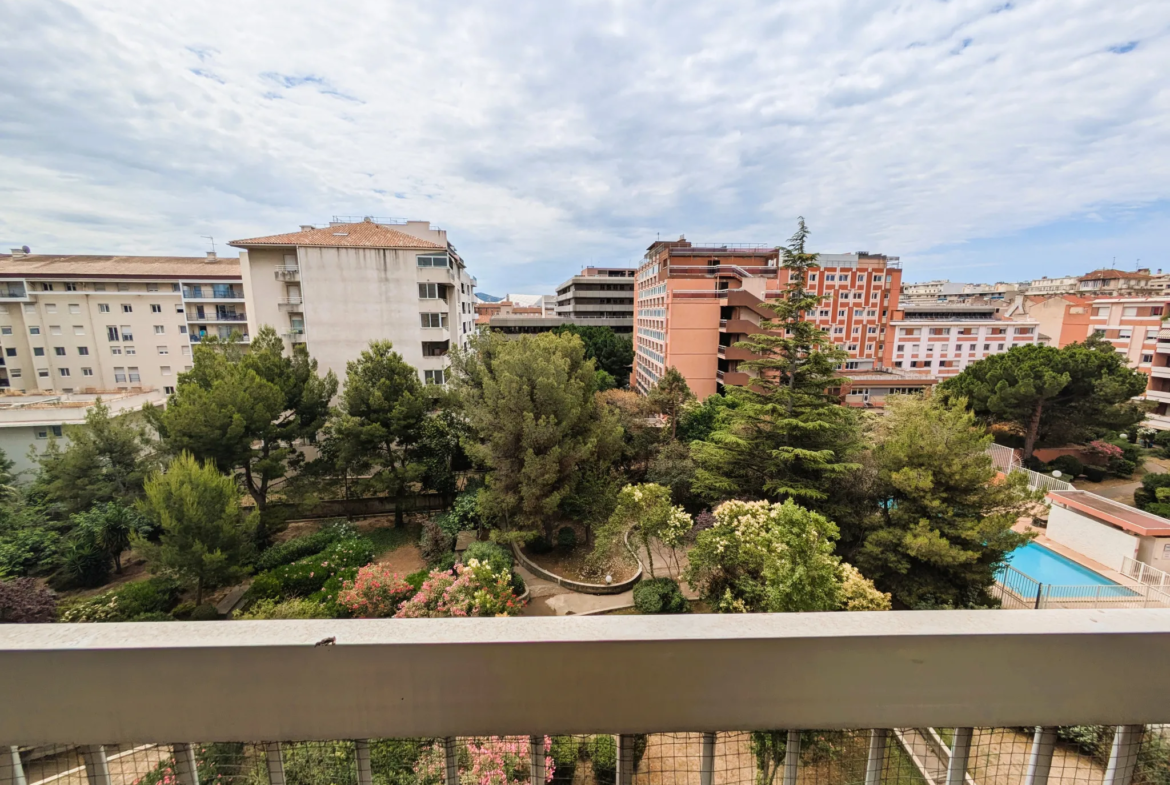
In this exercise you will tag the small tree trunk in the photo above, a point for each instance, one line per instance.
(199, 591)
(1033, 430)
(118, 562)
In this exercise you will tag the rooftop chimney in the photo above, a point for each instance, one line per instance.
(20, 253)
(307, 227)
(211, 257)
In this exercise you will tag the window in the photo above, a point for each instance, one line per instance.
(115, 350)
(127, 333)
(131, 350)
(897, 363)
(987, 347)
(155, 308)
(78, 329)
(841, 314)
(34, 330)
(74, 308)
(1100, 310)
(433, 377)
(429, 291)
(50, 308)
(38, 351)
(59, 351)
(112, 333)
(852, 347)
(838, 330)
(87, 371)
(134, 377)
(434, 319)
(1124, 333)
(120, 375)
(103, 308)
(163, 350)
(1000, 347)
(5, 330)
(10, 352)
(63, 371)
(1156, 310)
(1147, 358)
(46, 287)
(180, 308)
(1030, 330)
(54, 329)
(71, 287)
(940, 330)
(159, 329)
(169, 390)
(812, 277)
(175, 287)
(14, 373)
(901, 348)
(152, 287)
(872, 330)
(878, 278)
(123, 287)
(182, 329)
(1129, 310)
(127, 308)
(43, 373)
(830, 277)
(186, 350)
(165, 370)
(29, 308)
(926, 363)
(433, 260)
(856, 330)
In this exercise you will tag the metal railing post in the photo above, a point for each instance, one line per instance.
(1040, 758)
(97, 768)
(536, 749)
(450, 763)
(11, 770)
(186, 769)
(791, 757)
(960, 751)
(1123, 756)
(625, 759)
(877, 756)
(1039, 594)
(365, 772)
(274, 760)
(707, 760)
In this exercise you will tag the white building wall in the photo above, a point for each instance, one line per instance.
(1091, 537)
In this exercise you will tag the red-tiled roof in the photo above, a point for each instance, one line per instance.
(75, 266)
(366, 234)
(1108, 274)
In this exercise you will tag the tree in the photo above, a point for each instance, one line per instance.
(944, 521)
(772, 558)
(110, 526)
(611, 353)
(674, 468)
(205, 536)
(785, 437)
(246, 411)
(641, 436)
(645, 512)
(379, 423)
(1076, 393)
(105, 460)
(441, 449)
(532, 404)
(669, 397)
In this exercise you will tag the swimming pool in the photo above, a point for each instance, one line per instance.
(1052, 569)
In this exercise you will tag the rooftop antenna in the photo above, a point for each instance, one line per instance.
(209, 237)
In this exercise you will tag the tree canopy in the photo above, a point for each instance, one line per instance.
(610, 352)
(784, 436)
(532, 404)
(669, 397)
(1074, 394)
(943, 523)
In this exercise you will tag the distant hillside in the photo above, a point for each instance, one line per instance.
(487, 298)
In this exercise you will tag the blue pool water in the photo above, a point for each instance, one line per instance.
(1052, 569)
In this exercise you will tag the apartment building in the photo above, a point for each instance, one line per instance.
(1116, 283)
(601, 296)
(956, 292)
(1045, 287)
(693, 303)
(944, 339)
(1063, 318)
(337, 287)
(1131, 324)
(76, 324)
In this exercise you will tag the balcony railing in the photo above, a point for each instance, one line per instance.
(951, 698)
(291, 304)
(207, 293)
(288, 273)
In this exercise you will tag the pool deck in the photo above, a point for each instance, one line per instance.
(1023, 526)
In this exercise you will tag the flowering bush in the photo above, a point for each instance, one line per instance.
(1105, 450)
(125, 603)
(475, 590)
(497, 760)
(645, 512)
(376, 593)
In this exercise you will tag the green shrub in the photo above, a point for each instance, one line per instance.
(446, 562)
(24, 601)
(319, 762)
(182, 611)
(1147, 494)
(157, 595)
(565, 752)
(1068, 465)
(288, 609)
(205, 612)
(84, 563)
(394, 760)
(30, 550)
(213, 763)
(603, 754)
(415, 579)
(296, 548)
(1094, 473)
(435, 543)
(327, 597)
(154, 616)
(1162, 440)
(659, 595)
(539, 544)
(567, 537)
(1121, 467)
(492, 554)
(309, 575)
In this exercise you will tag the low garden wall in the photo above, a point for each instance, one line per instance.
(578, 586)
(1081, 453)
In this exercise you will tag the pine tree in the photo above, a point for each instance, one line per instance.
(784, 436)
(669, 396)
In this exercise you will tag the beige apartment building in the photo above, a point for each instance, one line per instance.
(336, 288)
(601, 296)
(944, 339)
(78, 324)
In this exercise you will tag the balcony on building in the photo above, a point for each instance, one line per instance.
(292, 304)
(890, 698)
(226, 331)
(13, 291)
(436, 348)
(217, 291)
(215, 313)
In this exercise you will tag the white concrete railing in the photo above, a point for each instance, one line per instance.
(1144, 573)
(1004, 459)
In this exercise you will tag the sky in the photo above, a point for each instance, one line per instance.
(978, 140)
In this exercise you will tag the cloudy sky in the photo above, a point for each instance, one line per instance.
(976, 139)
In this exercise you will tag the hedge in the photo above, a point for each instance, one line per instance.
(303, 578)
(296, 548)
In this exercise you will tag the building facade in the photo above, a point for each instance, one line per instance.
(1063, 319)
(601, 296)
(336, 288)
(693, 303)
(76, 324)
(1045, 287)
(944, 339)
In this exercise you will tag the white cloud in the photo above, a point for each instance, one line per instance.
(543, 135)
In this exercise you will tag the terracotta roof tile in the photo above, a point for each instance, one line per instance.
(1107, 274)
(366, 234)
(75, 266)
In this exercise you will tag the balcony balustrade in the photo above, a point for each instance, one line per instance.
(288, 273)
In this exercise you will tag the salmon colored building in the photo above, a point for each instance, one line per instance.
(693, 303)
(1063, 319)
